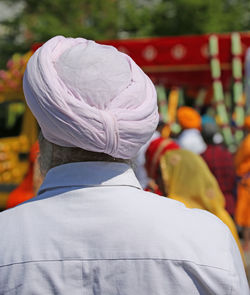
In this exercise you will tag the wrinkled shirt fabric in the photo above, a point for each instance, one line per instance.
(93, 230)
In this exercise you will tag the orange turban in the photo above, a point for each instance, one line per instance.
(247, 122)
(188, 118)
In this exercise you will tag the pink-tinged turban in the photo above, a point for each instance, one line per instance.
(90, 96)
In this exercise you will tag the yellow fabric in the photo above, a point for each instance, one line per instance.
(172, 105)
(187, 179)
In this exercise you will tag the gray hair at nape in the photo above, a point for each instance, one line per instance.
(52, 155)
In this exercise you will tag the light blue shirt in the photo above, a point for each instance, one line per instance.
(93, 230)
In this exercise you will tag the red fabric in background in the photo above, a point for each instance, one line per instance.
(180, 61)
(220, 162)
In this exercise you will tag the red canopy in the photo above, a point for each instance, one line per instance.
(180, 61)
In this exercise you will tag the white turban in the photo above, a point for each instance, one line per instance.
(90, 96)
(192, 140)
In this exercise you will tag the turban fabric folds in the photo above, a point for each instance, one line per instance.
(91, 96)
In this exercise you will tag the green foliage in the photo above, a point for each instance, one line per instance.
(41, 20)
(112, 19)
(181, 17)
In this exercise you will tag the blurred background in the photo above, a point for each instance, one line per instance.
(195, 51)
(23, 22)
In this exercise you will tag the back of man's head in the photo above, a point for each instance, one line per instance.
(210, 133)
(90, 96)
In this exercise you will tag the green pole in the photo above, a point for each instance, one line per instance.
(237, 86)
(162, 103)
(199, 102)
(218, 90)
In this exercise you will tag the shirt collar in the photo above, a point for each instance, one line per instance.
(89, 174)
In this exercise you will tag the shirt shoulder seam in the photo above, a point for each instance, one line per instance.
(114, 259)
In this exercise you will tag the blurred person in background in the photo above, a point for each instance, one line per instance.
(155, 150)
(184, 176)
(28, 188)
(91, 228)
(242, 164)
(140, 161)
(221, 163)
(190, 137)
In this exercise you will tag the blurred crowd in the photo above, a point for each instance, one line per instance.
(197, 169)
